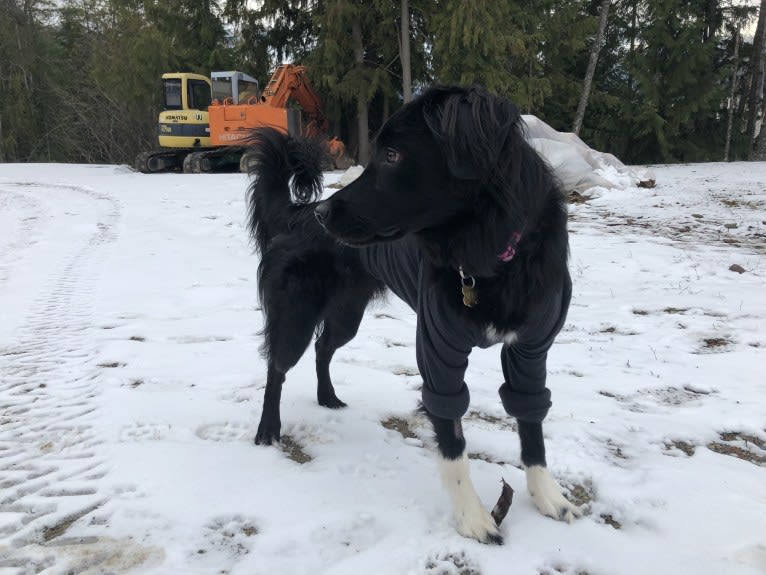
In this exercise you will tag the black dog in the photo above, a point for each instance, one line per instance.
(458, 216)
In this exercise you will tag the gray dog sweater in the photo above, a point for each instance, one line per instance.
(444, 340)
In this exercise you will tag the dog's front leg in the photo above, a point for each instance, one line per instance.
(473, 520)
(543, 488)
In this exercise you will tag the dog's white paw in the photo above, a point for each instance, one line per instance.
(547, 495)
(472, 519)
(476, 522)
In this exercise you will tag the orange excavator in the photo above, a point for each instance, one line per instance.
(236, 108)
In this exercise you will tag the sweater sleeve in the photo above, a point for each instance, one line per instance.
(524, 393)
(443, 343)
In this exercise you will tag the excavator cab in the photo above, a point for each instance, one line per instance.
(235, 88)
(179, 87)
(183, 122)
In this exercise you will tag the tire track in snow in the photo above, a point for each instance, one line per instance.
(49, 466)
(25, 233)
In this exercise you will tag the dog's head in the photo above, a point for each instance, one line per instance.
(439, 160)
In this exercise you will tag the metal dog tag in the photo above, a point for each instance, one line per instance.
(470, 297)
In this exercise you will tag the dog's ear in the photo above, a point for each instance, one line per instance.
(472, 127)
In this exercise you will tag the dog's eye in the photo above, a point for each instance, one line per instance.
(392, 156)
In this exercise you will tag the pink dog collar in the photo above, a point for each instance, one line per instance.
(510, 250)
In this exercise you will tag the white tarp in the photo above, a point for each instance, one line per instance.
(578, 166)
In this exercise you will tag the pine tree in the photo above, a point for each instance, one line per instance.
(356, 47)
(25, 104)
(678, 85)
(472, 42)
(560, 47)
(271, 32)
(194, 30)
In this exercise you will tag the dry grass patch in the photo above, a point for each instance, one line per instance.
(400, 425)
(294, 450)
(743, 446)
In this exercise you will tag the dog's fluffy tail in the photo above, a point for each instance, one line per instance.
(285, 173)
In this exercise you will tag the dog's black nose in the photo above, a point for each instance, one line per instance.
(322, 212)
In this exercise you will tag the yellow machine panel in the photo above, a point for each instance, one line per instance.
(184, 129)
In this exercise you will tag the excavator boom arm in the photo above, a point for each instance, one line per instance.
(290, 81)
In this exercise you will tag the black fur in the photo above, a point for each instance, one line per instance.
(463, 221)
(307, 283)
(283, 168)
(451, 168)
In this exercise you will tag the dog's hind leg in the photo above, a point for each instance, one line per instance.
(473, 520)
(286, 340)
(271, 424)
(543, 488)
(340, 326)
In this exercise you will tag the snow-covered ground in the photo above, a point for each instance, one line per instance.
(131, 386)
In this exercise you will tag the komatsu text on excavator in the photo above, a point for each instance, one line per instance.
(205, 122)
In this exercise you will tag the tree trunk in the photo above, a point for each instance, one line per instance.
(404, 52)
(757, 77)
(730, 119)
(760, 146)
(711, 21)
(591, 71)
(633, 28)
(362, 112)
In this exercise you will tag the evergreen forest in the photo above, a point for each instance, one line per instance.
(651, 81)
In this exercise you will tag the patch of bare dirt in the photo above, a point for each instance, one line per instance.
(682, 446)
(576, 197)
(743, 446)
(616, 449)
(580, 494)
(294, 450)
(611, 521)
(675, 395)
(400, 425)
(612, 329)
(675, 309)
(714, 345)
(561, 570)
(57, 530)
(716, 342)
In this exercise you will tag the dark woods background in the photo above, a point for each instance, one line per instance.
(653, 80)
